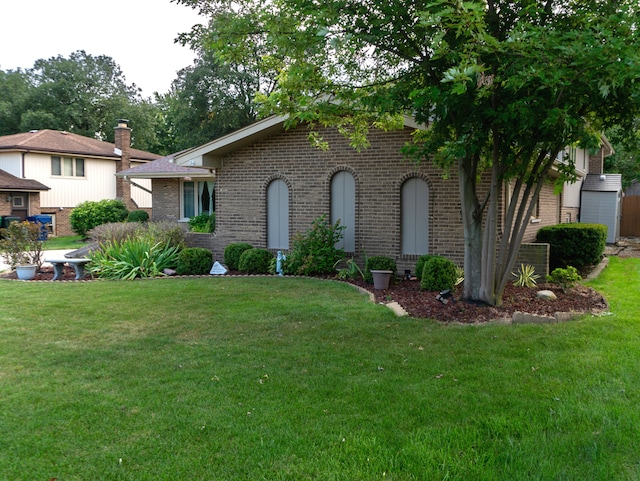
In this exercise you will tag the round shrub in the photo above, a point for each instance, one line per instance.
(439, 274)
(138, 216)
(422, 260)
(194, 261)
(378, 263)
(87, 215)
(233, 252)
(255, 261)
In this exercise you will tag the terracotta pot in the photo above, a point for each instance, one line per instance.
(26, 272)
(381, 279)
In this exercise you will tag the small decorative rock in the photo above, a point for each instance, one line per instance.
(546, 295)
(169, 272)
(218, 269)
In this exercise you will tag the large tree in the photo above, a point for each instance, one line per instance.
(503, 87)
(83, 94)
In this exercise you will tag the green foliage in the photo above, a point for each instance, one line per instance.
(165, 232)
(19, 244)
(194, 261)
(438, 274)
(351, 271)
(255, 261)
(87, 215)
(203, 223)
(525, 276)
(315, 252)
(233, 252)
(422, 260)
(565, 278)
(132, 258)
(378, 263)
(138, 216)
(575, 244)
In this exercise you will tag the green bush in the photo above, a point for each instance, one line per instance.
(132, 258)
(20, 244)
(565, 278)
(194, 261)
(87, 215)
(422, 260)
(164, 232)
(203, 223)
(138, 216)
(438, 274)
(233, 252)
(576, 244)
(378, 263)
(315, 252)
(255, 261)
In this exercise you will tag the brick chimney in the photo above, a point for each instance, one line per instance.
(123, 148)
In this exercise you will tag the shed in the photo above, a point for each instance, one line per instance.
(601, 202)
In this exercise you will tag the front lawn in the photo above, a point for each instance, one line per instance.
(291, 379)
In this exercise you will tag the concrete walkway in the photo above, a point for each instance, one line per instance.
(57, 254)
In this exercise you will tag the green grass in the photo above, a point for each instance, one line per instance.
(64, 242)
(294, 379)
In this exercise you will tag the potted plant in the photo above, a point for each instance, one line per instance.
(379, 270)
(21, 248)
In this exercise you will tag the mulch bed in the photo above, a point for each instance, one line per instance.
(423, 304)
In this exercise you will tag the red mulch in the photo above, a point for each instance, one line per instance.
(423, 304)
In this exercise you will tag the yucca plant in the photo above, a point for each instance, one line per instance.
(525, 276)
(132, 258)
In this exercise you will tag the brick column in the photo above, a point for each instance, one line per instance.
(123, 146)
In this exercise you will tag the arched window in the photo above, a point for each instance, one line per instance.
(278, 215)
(343, 208)
(415, 217)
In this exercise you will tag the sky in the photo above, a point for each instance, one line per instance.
(137, 34)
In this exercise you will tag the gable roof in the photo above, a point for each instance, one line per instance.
(9, 182)
(55, 141)
(602, 183)
(164, 168)
(211, 153)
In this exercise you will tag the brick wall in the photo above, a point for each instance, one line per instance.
(165, 203)
(536, 255)
(379, 172)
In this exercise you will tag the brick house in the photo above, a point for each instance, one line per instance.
(270, 183)
(50, 172)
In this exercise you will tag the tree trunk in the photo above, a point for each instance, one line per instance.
(472, 222)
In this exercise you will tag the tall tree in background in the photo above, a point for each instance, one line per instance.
(207, 100)
(504, 86)
(83, 94)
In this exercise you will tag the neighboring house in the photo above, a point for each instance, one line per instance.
(270, 184)
(50, 172)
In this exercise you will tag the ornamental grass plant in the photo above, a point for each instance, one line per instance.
(280, 378)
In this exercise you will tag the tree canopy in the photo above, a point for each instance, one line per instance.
(503, 85)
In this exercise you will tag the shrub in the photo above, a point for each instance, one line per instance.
(565, 278)
(576, 244)
(87, 215)
(194, 261)
(315, 252)
(138, 216)
(164, 232)
(203, 223)
(19, 244)
(525, 276)
(422, 260)
(438, 274)
(132, 258)
(378, 263)
(255, 261)
(233, 252)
